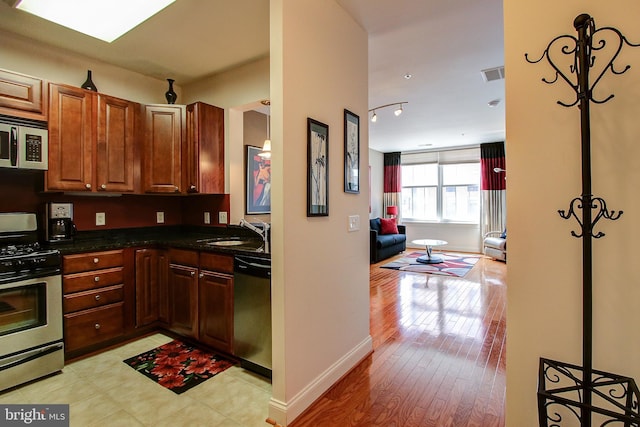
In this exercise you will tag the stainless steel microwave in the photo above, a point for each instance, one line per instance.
(23, 146)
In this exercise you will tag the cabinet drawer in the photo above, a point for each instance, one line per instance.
(91, 299)
(183, 257)
(216, 262)
(93, 326)
(92, 280)
(92, 261)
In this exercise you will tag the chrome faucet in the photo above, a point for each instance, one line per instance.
(261, 232)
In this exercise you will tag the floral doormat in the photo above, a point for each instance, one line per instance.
(178, 366)
(454, 265)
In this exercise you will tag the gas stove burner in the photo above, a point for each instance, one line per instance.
(17, 250)
(20, 252)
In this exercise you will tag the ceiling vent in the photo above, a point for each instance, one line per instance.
(491, 74)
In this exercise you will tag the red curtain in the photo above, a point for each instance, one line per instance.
(392, 183)
(392, 173)
(491, 157)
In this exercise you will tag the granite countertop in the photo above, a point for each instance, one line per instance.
(209, 239)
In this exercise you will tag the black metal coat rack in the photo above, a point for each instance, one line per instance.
(568, 392)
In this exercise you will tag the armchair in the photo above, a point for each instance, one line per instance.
(495, 245)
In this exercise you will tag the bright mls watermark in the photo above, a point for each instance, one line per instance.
(34, 415)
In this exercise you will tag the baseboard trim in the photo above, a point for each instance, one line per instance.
(285, 412)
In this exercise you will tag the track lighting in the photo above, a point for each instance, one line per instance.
(397, 111)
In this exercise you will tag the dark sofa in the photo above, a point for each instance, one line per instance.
(385, 245)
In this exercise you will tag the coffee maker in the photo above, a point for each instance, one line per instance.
(59, 226)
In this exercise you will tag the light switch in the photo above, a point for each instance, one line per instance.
(354, 223)
(160, 217)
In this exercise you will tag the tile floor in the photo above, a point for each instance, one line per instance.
(104, 391)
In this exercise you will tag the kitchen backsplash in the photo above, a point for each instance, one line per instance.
(18, 194)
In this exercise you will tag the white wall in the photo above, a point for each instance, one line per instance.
(545, 265)
(376, 161)
(59, 66)
(320, 271)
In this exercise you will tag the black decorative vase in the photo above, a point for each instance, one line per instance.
(170, 94)
(88, 84)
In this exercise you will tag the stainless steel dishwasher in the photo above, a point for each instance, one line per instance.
(252, 313)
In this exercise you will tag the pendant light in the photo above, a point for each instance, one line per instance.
(266, 147)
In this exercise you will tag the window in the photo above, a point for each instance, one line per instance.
(447, 192)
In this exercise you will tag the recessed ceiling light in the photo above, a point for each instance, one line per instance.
(104, 20)
(408, 76)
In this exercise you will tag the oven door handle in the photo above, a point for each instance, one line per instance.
(28, 356)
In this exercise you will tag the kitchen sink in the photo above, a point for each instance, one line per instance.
(230, 241)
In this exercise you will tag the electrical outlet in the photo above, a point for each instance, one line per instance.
(222, 217)
(354, 223)
(100, 218)
(207, 217)
(160, 217)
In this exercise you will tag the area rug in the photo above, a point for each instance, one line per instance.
(454, 265)
(178, 366)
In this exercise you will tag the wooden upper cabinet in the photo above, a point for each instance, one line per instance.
(92, 142)
(116, 164)
(22, 96)
(204, 149)
(162, 156)
(71, 136)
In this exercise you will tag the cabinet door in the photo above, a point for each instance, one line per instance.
(115, 159)
(70, 139)
(183, 300)
(22, 96)
(216, 310)
(147, 286)
(162, 148)
(204, 157)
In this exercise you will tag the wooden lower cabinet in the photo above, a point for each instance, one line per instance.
(215, 310)
(151, 286)
(95, 295)
(201, 297)
(183, 300)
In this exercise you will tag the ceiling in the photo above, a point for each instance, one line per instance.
(444, 45)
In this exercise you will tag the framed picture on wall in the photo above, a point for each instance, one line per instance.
(258, 182)
(351, 152)
(317, 168)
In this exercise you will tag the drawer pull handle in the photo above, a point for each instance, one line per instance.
(97, 326)
(98, 297)
(88, 186)
(193, 273)
(96, 279)
(96, 260)
(103, 186)
(201, 275)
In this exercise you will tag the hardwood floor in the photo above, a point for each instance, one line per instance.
(439, 354)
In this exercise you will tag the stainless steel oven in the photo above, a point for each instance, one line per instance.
(30, 303)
